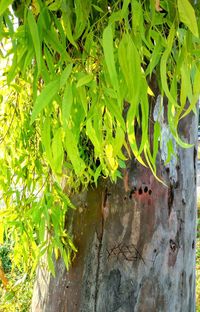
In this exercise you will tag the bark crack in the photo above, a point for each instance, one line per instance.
(104, 208)
(194, 160)
(170, 198)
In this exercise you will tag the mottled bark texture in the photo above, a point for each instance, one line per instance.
(136, 243)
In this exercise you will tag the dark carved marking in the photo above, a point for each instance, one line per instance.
(125, 252)
(193, 244)
(146, 189)
(150, 192)
(132, 192)
(194, 160)
(170, 198)
(183, 201)
(176, 185)
(140, 191)
(173, 245)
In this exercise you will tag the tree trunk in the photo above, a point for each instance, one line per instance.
(135, 240)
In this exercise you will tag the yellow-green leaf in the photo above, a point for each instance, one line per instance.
(163, 66)
(36, 39)
(45, 97)
(187, 16)
(109, 56)
(1, 233)
(65, 75)
(57, 151)
(84, 80)
(67, 104)
(130, 64)
(4, 4)
(46, 140)
(73, 152)
(50, 262)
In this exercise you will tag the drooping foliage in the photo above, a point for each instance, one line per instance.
(76, 87)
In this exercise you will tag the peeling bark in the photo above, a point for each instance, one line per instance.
(136, 243)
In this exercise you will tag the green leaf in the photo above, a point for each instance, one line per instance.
(71, 244)
(67, 104)
(186, 87)
(173, 127)
(130, 64)
(82, 9)
(4, 4)
(163, 66)
(50, 262)
(1, 233)
(145, 116)
(42, 227)
(97, 8)
(73, 152)
(9, 295)
(109, 56)
(66, 258)
(83, 97)
(55, 5)
(45, 97)
(170, 151)
(36, 39)
(115, 112)
(187, 16)
(68, 30)
(150, 163)
(119, 140)
(46, 140)
(52, 39)
(120, 14)
(49, 60)
(57, 151)
(157, 131)
(130, 123)
(84, 80)
(97, 174)
(155, 57)
(93, 136)
(196, 92)
(65, 75)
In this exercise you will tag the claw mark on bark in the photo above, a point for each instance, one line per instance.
(156, 253)
(125, 252)
(170, 198)
(194, 159)
(105, 212)
(173, 245)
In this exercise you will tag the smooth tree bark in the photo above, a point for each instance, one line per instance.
(135, 240)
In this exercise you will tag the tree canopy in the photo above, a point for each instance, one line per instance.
(76, 84)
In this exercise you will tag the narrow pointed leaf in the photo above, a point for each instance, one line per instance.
(4, 4)
(187, 16)
(45, 97)
(36, 39)
(109, 55)
(67, 104)
(57, 151)
(73, 152)
(84, 80)
(65, 75)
